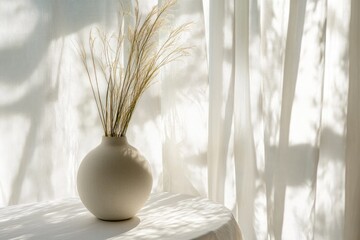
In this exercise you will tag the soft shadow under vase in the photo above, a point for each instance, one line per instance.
(114, 180)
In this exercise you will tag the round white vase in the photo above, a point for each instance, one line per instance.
(114, 180)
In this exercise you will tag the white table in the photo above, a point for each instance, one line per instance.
(165, 216)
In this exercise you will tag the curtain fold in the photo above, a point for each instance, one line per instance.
(352, 190)
(220, 99)
(244, 149)
(289, 79)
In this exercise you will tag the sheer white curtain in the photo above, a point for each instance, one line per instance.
(262, 117)
(284, 113)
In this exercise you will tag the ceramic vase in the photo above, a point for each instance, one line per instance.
(114, 180)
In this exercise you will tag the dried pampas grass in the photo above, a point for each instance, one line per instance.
(126, 82)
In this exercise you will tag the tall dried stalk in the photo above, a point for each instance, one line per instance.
(125, 83)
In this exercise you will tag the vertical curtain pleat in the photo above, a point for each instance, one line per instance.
(291, 65)
(352, 206)
(273, 21)
(244, 150)
(330, 178)
(216, 170)
(221, 85)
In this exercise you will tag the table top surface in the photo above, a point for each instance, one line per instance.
(164, 216)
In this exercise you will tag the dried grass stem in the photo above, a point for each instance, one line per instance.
(146, 56)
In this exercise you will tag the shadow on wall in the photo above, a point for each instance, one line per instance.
(27, 78)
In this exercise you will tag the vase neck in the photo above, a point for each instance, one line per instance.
(114, 140)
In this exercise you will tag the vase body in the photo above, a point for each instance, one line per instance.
(114, 180)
